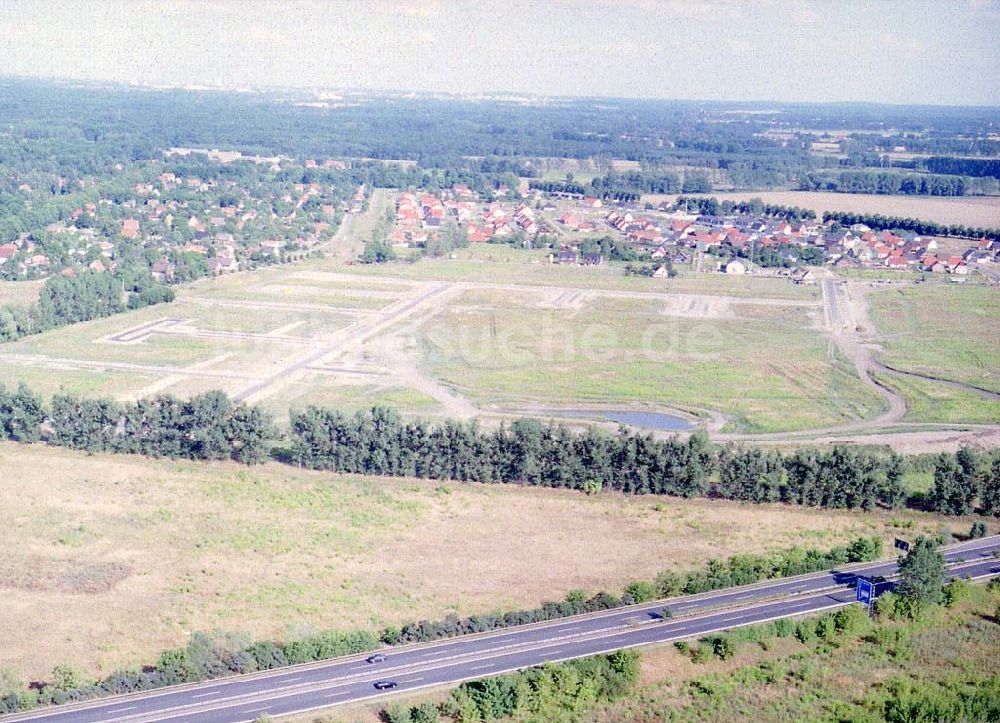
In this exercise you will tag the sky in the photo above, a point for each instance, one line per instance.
(891, 51)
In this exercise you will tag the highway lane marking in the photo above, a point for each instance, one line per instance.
(481, 667)
(599, 634)
(615, 641)
(205, 695)
(677, 631)
(122, 710)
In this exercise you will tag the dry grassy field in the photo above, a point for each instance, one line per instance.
(19, 293)
(112, 558)
(967, 210)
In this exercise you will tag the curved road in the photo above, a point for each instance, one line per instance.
(350, 679)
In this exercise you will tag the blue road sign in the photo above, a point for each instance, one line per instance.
(901, 545)
(866, 591)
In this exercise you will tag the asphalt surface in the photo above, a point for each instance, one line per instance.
(351, 679)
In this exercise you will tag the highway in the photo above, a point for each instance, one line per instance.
(351, 679)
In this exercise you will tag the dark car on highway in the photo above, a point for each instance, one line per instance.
(385, 684)
(377, 658)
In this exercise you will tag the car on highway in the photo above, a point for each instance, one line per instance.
(385, 684)
(376, 658)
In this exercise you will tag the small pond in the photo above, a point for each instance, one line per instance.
(646, 420)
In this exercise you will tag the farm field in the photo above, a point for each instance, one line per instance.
(974, 211)
(944, 331)
(114, 558)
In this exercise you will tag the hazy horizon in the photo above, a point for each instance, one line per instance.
(780, 51)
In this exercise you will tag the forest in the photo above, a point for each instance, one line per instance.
(110, 125)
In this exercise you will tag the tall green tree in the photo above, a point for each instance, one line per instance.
(922, 573)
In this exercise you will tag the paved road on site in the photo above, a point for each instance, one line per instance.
(412, 667)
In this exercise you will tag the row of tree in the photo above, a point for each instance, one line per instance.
(379, 442)
(88, 295)
(529, 452)
(207, 426)
(884, 182)
(962, 479)
(924, 228)
(963, 166)
(205, 657)
(711, 206)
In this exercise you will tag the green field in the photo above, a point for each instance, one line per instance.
(767, 374)
(492, 263)
(321, 390)
(782, 679)
(47, 381)
(928, 401)
(947, 331)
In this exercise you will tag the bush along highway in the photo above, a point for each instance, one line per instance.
(212, 656)
(452, 661)
(899, 671)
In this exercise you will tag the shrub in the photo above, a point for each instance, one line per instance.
(954, 592)
(805, 632)
(641, 591)
(850, 620)
(396, 714)
(701, 654)
(885, 606)
(425, 713)
(723, 648)
(783, 628)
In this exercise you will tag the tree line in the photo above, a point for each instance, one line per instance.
(964, 166)
(879, 222)
(207, 426)
(559, 691)
(530, 452)
(711, 206)
(88, 295)
(883, 183)
(526, 451)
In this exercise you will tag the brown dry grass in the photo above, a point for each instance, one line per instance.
(111, 559)
(966, 210)
(19, 293)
